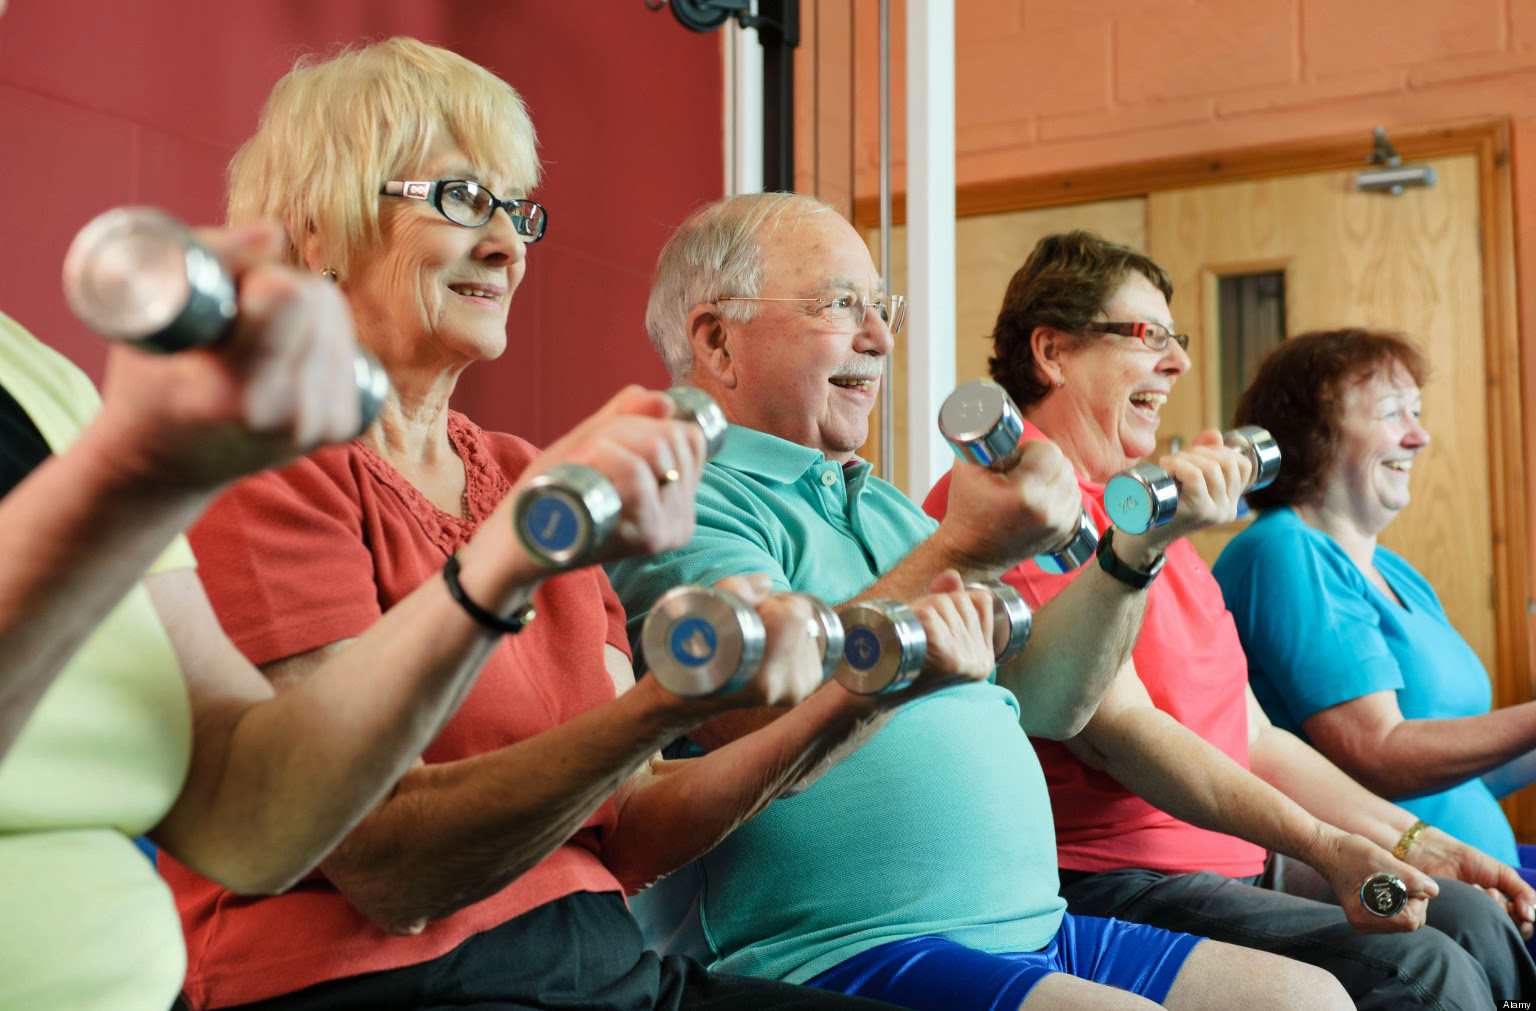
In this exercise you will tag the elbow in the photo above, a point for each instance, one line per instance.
(262, 881)
(1375, 770)
(1061, 726)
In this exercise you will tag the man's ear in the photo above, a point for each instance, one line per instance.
(1048, 345)
(711, 343)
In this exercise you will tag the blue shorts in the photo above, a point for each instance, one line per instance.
(934, 974)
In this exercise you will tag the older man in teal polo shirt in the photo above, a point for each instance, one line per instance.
(922, 868)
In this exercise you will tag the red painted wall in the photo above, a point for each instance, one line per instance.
(105, 103)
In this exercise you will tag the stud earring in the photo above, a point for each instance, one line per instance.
(1060, 383)
(329, 273)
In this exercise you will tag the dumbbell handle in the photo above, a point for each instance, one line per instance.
(1146, 496)
(702, 640)
(568, 512)
(885, 646)
(983, 425)
(138, 275)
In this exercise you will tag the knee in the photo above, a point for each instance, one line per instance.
(1301, 985)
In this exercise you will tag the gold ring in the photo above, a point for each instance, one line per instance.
(667, 477)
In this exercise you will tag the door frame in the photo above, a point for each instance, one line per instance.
(1487, 139)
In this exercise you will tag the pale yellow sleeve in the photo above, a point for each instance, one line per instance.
(60, 400)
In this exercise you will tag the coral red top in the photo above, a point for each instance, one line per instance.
(314, 553)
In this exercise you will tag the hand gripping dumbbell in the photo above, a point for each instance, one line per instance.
(136, 274)
(1146, 496)
(568, 511)
(884, 645)
(982, 425)
(702, 640)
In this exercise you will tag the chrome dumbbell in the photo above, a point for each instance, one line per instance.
(1383, 894)
(884, 645)
(1146, 496)
(702, 640)
(983, 425)
(568, 511)
(136, 274)
(1012, 619)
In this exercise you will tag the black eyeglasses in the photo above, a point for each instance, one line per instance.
(472, 205)
(1153, 335)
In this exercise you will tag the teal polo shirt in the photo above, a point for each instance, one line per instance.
(941, 824)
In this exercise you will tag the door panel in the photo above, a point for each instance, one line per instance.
(1410, 263)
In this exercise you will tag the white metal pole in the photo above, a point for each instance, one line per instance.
(930, 334)
(743, 111)
(887, 400)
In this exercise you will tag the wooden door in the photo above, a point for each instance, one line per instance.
(1410, 263)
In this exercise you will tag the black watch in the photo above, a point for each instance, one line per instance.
(1111, 563)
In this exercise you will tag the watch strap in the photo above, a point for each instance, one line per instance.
(1111, 563)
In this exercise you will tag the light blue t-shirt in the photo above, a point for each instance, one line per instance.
(1318, 633)
(939, 825)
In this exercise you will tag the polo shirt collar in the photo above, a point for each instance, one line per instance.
(753, 452)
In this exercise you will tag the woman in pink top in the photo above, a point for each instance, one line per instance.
(1179, 805)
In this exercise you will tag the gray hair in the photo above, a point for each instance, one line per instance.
(716, 251)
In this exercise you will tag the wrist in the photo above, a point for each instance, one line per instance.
(1140, 551)
(954, 553)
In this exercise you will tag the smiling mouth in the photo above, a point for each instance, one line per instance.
(1402, 466)
(855, 382)
(1149, 402)
(475, 291)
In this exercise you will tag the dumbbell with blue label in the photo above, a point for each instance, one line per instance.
(138, 275)
(884, 645)
(703, 640)
(567, 512)
(983, 425)
(1146, 496)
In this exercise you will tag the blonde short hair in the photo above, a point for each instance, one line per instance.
(716, 251)
(335, 129)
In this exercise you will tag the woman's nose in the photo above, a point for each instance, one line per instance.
(500, 242)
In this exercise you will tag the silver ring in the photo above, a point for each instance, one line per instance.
(669, 476)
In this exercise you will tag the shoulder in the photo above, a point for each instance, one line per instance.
(53, 391)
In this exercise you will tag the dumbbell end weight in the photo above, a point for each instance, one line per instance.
(136, 274)
(1076, 552)
(883, 647)
(1140, 498)
(564, 513)
(701, 640)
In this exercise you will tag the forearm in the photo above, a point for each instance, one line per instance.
(1322, 788)
(1426, 756)
(76, 535)
(674, 812)
(455, 833)
(276, 782)
(1171, 767)
(1080, 640)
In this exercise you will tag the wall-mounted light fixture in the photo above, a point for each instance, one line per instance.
(1391, 176)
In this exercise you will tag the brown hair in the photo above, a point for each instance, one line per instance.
(1298, 395)
(1063, 285)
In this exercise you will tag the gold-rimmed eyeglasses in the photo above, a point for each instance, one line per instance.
(844, 308)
